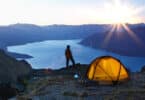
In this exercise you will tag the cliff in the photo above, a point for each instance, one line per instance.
(11, 69)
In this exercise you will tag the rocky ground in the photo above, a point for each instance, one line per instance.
(61, 85)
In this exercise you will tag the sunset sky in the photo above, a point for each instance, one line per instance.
(46, 12)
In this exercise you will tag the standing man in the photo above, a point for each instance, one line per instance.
(68, 55)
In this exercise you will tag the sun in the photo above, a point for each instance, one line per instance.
(116, 12)
(118, 15)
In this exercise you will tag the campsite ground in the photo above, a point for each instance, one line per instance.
(61, 85)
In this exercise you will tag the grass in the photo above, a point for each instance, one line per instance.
(75, 94)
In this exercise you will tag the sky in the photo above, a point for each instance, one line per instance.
(71, 12)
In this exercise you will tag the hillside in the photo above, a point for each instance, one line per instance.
(11, 69)
(121, 42)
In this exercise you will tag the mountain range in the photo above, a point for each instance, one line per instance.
(128, 41)
(17, 34)
(92, 35)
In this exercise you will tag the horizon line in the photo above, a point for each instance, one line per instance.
(70, 24)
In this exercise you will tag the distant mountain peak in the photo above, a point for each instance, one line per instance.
(24, 26)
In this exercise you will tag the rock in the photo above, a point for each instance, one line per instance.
(143, 69)
(11, 69)
(7, 91)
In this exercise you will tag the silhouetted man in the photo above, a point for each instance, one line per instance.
(69, 56)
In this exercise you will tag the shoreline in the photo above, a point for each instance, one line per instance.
(19, 55)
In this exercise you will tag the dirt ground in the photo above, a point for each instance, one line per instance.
(65, 87)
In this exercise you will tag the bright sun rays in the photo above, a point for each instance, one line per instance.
(117, 28)
(118, 16)
(118, 12)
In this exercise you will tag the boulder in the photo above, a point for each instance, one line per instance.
(143, 69)
(11, 69)
(7, 91)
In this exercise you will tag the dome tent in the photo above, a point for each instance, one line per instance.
(107, 70)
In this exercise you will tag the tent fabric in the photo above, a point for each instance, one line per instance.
(107, 70)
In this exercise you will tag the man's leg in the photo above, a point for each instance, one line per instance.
(67, 62)
(73, 62)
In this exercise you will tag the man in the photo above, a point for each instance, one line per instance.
(68, 55)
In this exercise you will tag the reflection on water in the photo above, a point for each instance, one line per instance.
(50, 54)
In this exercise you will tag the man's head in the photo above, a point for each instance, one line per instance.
(68, 46)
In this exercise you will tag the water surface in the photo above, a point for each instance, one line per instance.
(50, 54)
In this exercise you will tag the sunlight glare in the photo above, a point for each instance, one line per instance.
(132, 34)
(117, 12)
(109, 35)
(117, 29)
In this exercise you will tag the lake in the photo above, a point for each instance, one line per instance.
(50, 54)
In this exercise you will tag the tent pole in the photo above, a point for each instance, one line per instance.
(118, 73)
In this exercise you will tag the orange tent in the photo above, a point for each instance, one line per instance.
(107, 70)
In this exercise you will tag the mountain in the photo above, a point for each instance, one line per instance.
(11, 69)
(129, 42)
(18, 34)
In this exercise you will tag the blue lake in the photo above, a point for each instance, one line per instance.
(50, 54)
